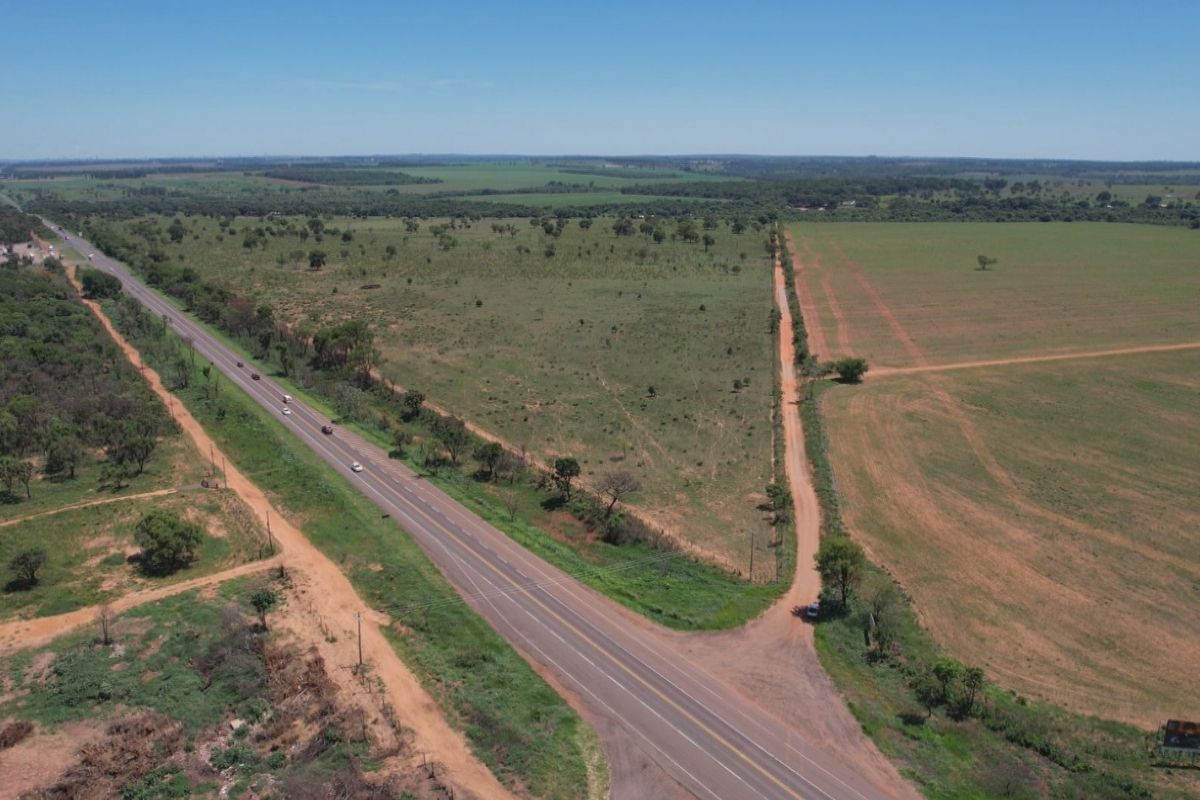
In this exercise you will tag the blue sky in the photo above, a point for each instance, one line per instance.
(1099, 79)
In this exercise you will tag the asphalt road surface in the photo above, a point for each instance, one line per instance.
(700, 730)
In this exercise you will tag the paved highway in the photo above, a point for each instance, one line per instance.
(698, 729)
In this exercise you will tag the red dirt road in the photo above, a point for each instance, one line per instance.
(772, 659)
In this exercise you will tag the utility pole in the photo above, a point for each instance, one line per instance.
(224, 474)
(212, 458)
(270, 538)
(752, 555)
(358, 619)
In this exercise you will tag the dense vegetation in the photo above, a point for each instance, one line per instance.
(15, 226)
(66, 391)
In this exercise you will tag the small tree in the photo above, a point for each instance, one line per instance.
(840, 562)
(264, 601)
(488, 455)
(927, 689)
(709, 241)
(412, 402)
(512, 502)
(316, 259)
(566, 470)
(167, 542)
(985, 262)
(948, 673)
(22, 471)
(973, 681)
(452, 433)
(850, 369)
(25, 566)
(104, 618)
(616, 485)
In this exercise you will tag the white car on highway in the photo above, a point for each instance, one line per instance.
(356, 467)
(287, 412)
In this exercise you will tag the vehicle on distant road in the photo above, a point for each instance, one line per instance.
(356, 467)
(91, 256)
(287, 412)
(254, 376)
(240, 365)
(287, 398)
(812, 611)
(327, 430)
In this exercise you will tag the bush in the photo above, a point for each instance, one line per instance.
(168, 542)
(98, 285)
(850, 369)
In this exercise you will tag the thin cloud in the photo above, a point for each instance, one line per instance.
(393, 85)
(353, 86)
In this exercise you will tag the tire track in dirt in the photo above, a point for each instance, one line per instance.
(88, 504)
(20, 634)
(337, 601)
(817, 343)
(841, 323)
(1015, 360)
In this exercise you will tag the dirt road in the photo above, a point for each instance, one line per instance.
(1004, 362)
(337, 603)
(19, 634)
(772, 659)
(87, 504)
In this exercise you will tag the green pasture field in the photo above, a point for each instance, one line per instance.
(1057, 288)
(84, 188)
(464, 178)
(1043, 517)
(89, 550)
(502, 176)
(557, 352)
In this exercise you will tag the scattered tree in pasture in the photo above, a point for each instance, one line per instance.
(316, 259)
(616, 486)
(985, 262)
(850, 369)
(264, 601)
(840, 561)
(168, 542)
(709, 241)
(566, 470)
(25, 566)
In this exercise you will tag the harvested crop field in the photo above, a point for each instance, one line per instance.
(912, 294)
(1043, 515)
